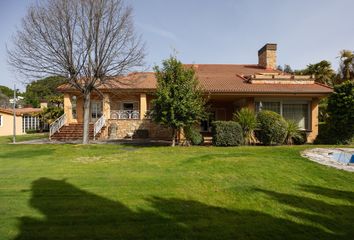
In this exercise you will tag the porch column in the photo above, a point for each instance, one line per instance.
(80, 109)
(68, 107)
(106, 106)
(250, 104)
(143, 105)
(314, 120)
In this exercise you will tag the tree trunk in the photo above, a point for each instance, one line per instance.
(86, 132)
(173, 137)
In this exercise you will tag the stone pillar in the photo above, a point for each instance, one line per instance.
(143, 105)
(106, 106)
(250, 104)
(314, 120)
(80, 109)
(68, 107)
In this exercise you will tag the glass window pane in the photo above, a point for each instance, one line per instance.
(270, 106)
(297, 113)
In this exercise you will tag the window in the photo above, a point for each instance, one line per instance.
(270, 106)
(297, 111)
(128, 106)
(96, 109)
(30, 123)
(1, 121)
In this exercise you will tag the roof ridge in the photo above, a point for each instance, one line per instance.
(324, 85)
(228, 64)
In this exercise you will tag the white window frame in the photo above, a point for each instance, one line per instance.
(1, 120)
(291, 101)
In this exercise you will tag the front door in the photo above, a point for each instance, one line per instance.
(96, 110)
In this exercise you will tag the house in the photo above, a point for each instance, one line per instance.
(121, 109)
(24, 119)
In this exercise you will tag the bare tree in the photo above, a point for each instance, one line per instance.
(85, 41)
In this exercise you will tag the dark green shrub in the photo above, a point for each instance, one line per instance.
(339, 128)
(29, 131)
(193, 135)
(248, 122)
(227, 133)
(301, 140)
(272, 128)
(293, 132)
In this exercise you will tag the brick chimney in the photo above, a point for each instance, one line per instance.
(267, 56)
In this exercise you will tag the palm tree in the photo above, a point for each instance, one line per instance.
(323, 72)
(347, 64)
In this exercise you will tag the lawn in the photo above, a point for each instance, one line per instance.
(125, 192)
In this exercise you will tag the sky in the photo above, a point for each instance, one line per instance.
(223, 31)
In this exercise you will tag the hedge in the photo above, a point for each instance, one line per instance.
(227, 133)
(272, 128)
(193, 135)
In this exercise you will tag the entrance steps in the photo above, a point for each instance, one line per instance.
(74, 131)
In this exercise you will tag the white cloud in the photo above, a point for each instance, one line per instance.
(158, 31)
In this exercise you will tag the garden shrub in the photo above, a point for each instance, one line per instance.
(293, 132)
(272, 128)
(193, 135)
(339, 128)
(301, 140)
(248, 122)
(227, 133)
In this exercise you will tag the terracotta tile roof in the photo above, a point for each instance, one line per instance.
(21, 111)
(217, 78)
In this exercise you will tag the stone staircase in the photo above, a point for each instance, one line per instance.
(74, 131)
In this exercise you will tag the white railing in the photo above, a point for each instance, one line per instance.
(98, 126)
(56, 125)
(125, 114)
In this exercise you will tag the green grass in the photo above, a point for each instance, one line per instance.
(20, 138)
(125, 192)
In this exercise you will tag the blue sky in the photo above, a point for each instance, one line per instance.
(223, 31)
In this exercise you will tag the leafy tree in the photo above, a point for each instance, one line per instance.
(4, 100)
(347, 65)
(341, 112)
(50, 114)
(179, 101)
(87, 42)
(7, 91)
(280, 68)
(322, 71)
(43, 89)
(286, 68)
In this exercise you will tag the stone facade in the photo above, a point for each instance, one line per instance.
(267, 56)
(122, 128)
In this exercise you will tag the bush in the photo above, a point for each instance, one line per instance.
(248, 122)
(193, 135)
(340, 123)
(227, 133)
(302, 139)
(272, 128)
(293, 133)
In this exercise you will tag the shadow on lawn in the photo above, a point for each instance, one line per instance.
(71, 213)
(26, 153)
